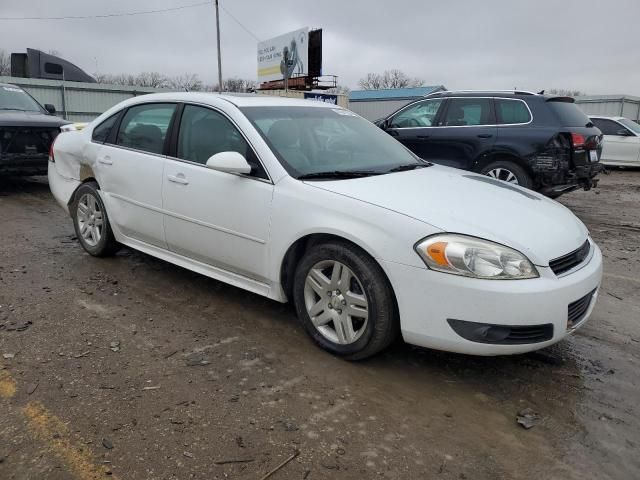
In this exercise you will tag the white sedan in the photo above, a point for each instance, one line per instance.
(621, 145)
(303, 201)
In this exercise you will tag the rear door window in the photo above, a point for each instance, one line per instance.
(607, 127)
(511, 111)
(101, 132)
(568, 113)
(144, 127)
(462, 112)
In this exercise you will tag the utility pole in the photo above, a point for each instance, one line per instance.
(286, 70)
(219, 56)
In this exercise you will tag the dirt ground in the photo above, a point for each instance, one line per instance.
(133, 368)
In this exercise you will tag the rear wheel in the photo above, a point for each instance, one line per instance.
(507, 171)
(344, 301)
(91, 222)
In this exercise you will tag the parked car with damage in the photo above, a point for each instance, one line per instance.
(541, 142)
(27, 130)
(308, 202)
(621, 145)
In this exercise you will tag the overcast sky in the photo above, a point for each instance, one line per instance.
(587, 45)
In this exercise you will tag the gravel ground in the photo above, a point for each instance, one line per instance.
(133, 368)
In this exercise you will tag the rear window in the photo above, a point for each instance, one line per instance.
(512, 111)
(568, 114)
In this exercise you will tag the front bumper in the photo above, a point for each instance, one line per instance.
(427, 300)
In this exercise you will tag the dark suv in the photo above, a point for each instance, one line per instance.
(537, 141)
(26, 132)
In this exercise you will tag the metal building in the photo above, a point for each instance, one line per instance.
(375, 104)
(77, 101)
(610, 105)
(82, 102)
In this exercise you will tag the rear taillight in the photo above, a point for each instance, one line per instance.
(577, 141)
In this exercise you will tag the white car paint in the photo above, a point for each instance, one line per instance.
(619, 150)
(238, 229)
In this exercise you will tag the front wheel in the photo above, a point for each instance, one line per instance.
(344, 301)
(91, 222)
(509, 172)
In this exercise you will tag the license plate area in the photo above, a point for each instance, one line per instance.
(593, 156)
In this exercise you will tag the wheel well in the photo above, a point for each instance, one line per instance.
(297, 250)
(504, 157)
(87, 179)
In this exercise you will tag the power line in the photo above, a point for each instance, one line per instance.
(238, 22)
(109, 15)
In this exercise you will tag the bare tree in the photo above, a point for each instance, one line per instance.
(5, 63)
(151, 79)
(236, 84)
(340, 90)
(566, 92)
(187, 81)
(389, 79)
(372, 81)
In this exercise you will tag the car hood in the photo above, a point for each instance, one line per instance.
(16, 118)
(462, 202)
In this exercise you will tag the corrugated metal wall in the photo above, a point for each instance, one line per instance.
(82, 102)
(376, 109)
(610, 106)
(79, 102)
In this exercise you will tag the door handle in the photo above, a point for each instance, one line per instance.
(485, 135)
(423, 137)
(179, 178)
(106, 160)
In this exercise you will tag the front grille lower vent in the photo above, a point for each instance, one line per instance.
(577, 309)
(502, 334)
(565, 263)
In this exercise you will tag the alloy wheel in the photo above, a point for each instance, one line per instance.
(90, 219)
(503, 174)
(336, 302)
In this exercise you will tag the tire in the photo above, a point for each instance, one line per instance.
(89, 215)
(508, 171)
(319, 290)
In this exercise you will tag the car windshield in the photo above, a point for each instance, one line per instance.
(14, 98)
(631, 125)
(315, 140)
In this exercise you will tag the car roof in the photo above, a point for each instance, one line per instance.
(483, 93)
(237, 99)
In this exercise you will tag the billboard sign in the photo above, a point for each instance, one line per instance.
(271, 56)
(321, 97)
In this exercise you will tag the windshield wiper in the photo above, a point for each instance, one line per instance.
(339, 174)
(409, 166)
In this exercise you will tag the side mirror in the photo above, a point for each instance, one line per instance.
(623, 132)
(50, 108)
(384, 125)
(230, 162)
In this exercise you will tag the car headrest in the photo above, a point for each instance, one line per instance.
(284, 133)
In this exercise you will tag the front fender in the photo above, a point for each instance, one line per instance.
(382, 233)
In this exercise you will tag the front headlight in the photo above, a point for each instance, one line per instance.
(474, 257)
